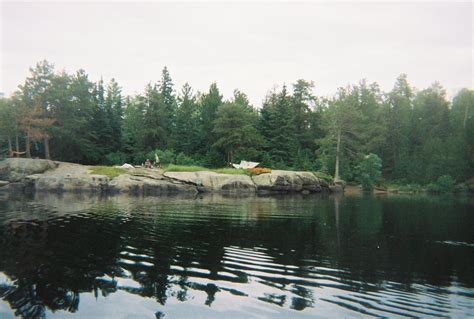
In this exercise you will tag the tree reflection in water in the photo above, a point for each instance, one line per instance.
(173, 248)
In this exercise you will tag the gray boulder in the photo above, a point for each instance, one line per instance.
(16, 169)
(310, 182)
(67, 183)
(147, 186)
(207, 181)
(287, 181)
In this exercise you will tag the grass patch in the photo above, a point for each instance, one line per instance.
(191, 168)
(108, 171)
(184, 168)
(228, 170)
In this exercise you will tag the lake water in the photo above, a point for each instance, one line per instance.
(76, 256)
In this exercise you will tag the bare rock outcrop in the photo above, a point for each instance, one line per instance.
(288, 181)
(16, 169)
(33, 175)
(207, 181)
(65, 183)
(147, 186)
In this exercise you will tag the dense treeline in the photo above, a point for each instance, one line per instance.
(418, 135)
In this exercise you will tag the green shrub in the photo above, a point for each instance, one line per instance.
(411, 188)
(183, 159)
(444, 184)
(461, 188)
(370, 171)
(117, 158)
(139, 158)
(323, 176)
(165, 157)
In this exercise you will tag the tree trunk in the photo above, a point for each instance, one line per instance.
(17, 145)
(10, 149)
(46, 148)
(338, 148)
(230, 158)
(27, 146)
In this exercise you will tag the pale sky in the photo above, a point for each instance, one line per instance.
(252, 46)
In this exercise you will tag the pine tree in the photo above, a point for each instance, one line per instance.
(235, 130)
(155, 119)
(278, 128)
(133, 138)
(343, 123)
(35, 94)
(187, 120)
(168, 100)
(302, 102)
(209, 105)
(114, 111)
(400, 106)
(101, 129)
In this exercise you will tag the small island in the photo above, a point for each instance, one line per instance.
(38, 175)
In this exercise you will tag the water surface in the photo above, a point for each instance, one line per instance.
(76, 256)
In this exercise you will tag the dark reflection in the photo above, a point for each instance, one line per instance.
(52, 249)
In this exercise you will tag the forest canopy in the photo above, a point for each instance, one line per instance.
(419, 135)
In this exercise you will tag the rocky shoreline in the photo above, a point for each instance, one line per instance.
(36, 175)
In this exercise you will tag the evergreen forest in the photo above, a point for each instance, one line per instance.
(418, 135)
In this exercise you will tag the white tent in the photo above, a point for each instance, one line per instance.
(245, 164)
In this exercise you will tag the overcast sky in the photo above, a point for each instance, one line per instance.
(252, 46)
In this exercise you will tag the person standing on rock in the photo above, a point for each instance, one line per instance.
(157, 161)
(147, 163)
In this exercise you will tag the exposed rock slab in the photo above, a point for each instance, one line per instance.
(147, 186)
(287, 181)
(207, 181)
(67, 183)
(16, 169)
(28, 175)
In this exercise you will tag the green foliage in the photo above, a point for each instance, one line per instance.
(194, 168)
(461, 188)
(108, 171)
(116, 158)
(277, 127)
(184, 168)
(411, 188)
(182, 159)
(234, 127)
(344, 127)
(187, 135)
(370, 171)
(209, 103)
(165, 156)
(419, 135)
(236, 171)
(323, 176)
(444, 184)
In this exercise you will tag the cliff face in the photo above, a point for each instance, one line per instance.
(33, 175)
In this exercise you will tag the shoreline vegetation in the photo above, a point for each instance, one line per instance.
(407, 138)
